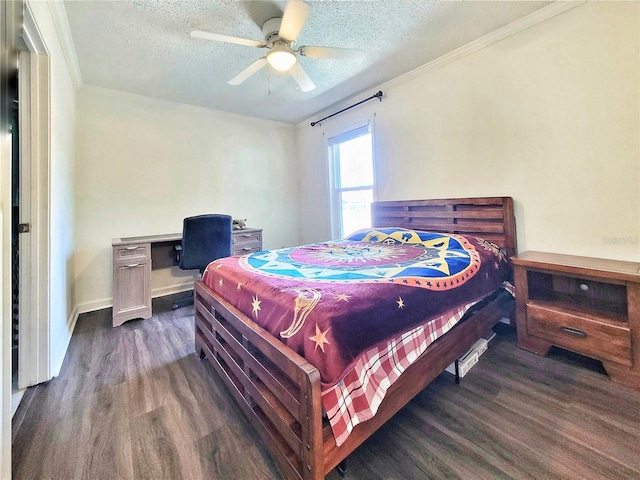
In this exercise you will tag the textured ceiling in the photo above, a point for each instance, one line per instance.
(144, 47)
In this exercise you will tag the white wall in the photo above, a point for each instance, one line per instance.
(144, 164)
(62, 299)
(549, 116)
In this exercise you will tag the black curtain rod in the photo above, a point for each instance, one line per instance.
(377, 95)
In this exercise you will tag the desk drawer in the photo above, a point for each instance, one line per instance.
(246, 248)
(581, 334)
(125, 253)
(246, 241)
(243, 238)
(131, 290)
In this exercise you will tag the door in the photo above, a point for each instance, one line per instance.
(34, 121)
(23, 212)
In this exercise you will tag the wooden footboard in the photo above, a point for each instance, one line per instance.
(279, 390)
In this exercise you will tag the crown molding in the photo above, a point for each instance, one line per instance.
(470, 48)
(61, 23)
(507, 31)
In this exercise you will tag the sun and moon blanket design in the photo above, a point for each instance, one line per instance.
(330, 301)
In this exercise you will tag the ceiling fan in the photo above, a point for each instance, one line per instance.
(279, 38)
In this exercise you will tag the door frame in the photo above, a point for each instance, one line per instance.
(34, 364)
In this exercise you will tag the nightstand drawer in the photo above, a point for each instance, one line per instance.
(126, 253)
(577, 332)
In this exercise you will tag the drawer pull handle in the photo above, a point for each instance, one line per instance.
(574, 331)
(133, 265)
(246, 249)
(135, 247)
(246, 235)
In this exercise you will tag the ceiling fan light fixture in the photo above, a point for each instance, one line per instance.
(281, 58)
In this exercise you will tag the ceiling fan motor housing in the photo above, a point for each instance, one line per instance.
(271, 29)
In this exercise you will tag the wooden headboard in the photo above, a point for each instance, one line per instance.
(490, 218)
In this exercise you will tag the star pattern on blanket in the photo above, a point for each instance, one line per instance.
(400, 302)
(320, 338)
(256, 305)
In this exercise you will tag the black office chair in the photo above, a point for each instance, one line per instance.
(204, 238)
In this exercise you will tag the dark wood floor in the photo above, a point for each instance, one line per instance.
(136, 402)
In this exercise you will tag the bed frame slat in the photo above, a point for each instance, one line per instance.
(255, 395)
(495, 214)
(450, 227)
(252, 366)
(287, 360)
(485, 217)
(289, 433)
(232, 353)
(444, 202)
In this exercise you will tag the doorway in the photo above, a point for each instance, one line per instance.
(14, 128)
(30, 217)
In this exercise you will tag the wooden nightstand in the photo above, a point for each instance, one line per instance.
(587, 305)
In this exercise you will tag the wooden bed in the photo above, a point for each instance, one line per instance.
(279, 390)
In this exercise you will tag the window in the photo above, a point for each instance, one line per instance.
(351, 157)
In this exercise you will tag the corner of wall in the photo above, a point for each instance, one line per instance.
(61, 23)
(58, 354)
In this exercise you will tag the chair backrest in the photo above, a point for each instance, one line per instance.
(205, 238)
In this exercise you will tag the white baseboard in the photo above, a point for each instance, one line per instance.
(16, 398)
(156, 292)
(72, 320)
(95, 305)
(170, 290)
(56, 363)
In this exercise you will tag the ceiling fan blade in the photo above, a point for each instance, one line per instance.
(301, 78)
(226, 38)
(247, 72)
(332, 53)
(293, 18)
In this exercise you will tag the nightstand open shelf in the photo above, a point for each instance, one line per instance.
(594, 297)
(586, 305)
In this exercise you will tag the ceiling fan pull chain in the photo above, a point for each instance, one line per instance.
(268, 82)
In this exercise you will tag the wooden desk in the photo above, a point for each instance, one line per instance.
(134, 257)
